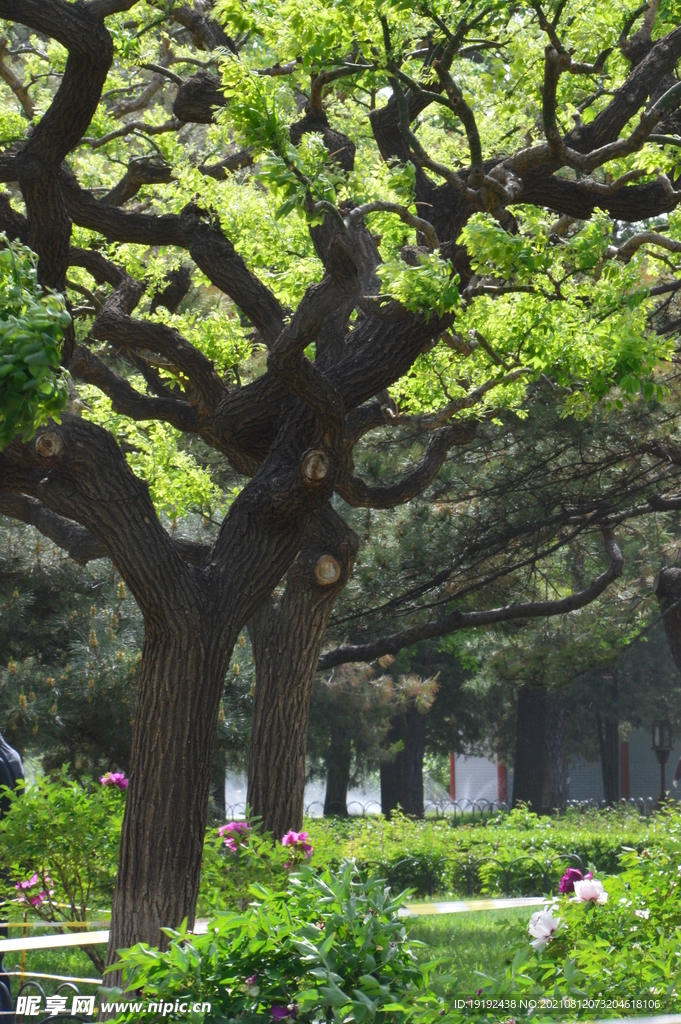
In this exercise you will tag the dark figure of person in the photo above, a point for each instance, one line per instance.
(11, 772)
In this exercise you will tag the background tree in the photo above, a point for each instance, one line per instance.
(523, 289)
(349, 718)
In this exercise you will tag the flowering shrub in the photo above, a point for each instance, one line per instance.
(59, 844)
(27, 890)
(298, 847)
(234, 834)
(617, 943)
(328, 947)
(114, 779)
(236, 856)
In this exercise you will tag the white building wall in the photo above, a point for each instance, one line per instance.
(586, 780)
(476, 778)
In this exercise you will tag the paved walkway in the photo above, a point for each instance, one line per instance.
(411, 910)
(468, 906)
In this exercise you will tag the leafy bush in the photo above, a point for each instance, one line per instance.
(438, 856)
(32, 388)
(625, 952)
(62, 837)
(227, 874)
(328, 947)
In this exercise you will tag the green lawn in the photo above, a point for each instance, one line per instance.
(72, 962)
(481, 941)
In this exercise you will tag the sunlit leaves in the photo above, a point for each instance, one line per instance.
(156, 452)
(32, 323)
(430, 288)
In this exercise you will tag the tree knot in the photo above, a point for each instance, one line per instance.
(48, 445)
(315, 465)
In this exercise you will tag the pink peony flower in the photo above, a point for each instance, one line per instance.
(235, 832)
(115, 779)
(298, 842)
(541, 927)
(589, 889)
(251, 984)
(572, 875)
(35, 899)
(27, 884)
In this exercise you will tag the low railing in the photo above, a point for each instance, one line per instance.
(441, 875)
(475, 809)
(31, 985)
(644, 805)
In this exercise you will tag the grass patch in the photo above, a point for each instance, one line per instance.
(483, 940)
(70, 962)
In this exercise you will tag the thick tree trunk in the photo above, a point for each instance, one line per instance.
(555, 742)
(530, 750)
(338, 761)
(178, 701)
(402, 778)
(667, 588)
(607, 725)
(287, 637)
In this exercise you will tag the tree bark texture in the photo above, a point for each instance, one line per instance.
(181, 681)
(291, 430)
(558, 716)
(287, 636)
(607, 725)
(338, 761)
(667, 589)
(530, 750)
(402, 778)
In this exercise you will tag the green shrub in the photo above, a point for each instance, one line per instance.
(437, 856)
(329, 947)
(227, 875)
(32, 322)
(63, 837)
(621, 958)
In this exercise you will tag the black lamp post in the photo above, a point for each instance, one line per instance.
(662, 745)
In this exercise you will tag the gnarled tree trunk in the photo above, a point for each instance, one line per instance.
(402, 778)
(287, 636)
(181, 680)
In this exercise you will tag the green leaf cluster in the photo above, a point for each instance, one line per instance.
(68, 833)
(32, 387)
(428, 288)
(329, 947)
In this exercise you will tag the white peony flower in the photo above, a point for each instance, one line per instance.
(645, 914)
(541, 927)
(589, 889)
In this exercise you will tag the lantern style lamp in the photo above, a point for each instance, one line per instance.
(662, 745)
